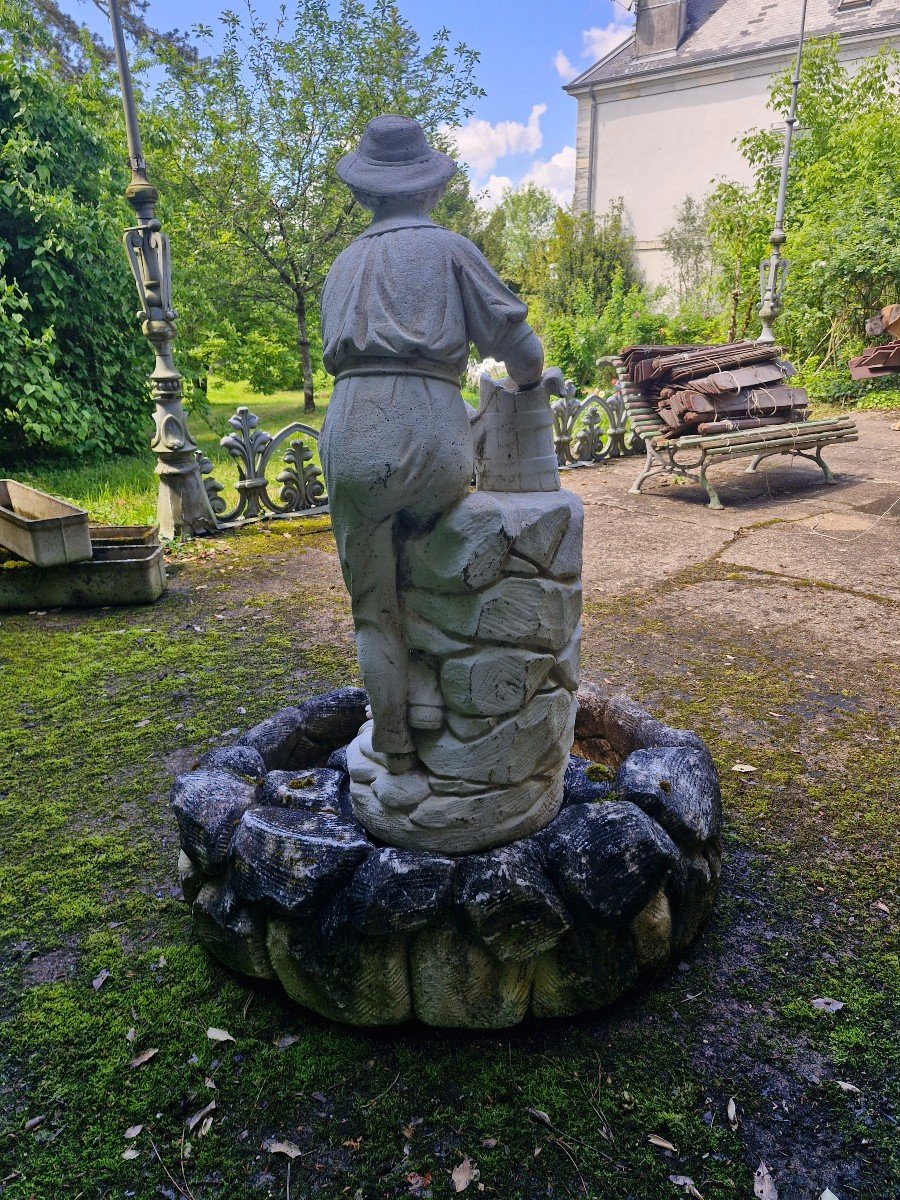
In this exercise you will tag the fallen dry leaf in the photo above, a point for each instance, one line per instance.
(882, 907)
(131, 1035)
(416, 1181)
(287, 1039)
(34, 1123)
(848, 1087)
(132, 1131)
(463, 1175)
(289, 1149)
(209, 1083)
(763, 1184)
(655, 1140)
(194, 1121)
(826, 1004)
(731, 1110)
(130, 1153)
(205, 1127)
(219, 1035)
(352, 1143)
(540, 1116)
(489, 1143)
(98, 981)
(687, 1185)
(144, 1056)
(743, 768)
(828, 1194)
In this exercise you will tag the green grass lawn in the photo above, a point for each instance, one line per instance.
(122, 491)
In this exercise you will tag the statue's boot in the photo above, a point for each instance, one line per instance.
(402, 792)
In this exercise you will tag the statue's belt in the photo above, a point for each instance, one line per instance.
(427, 367)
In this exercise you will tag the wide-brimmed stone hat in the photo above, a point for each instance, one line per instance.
(393, 157)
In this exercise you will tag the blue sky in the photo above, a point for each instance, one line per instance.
(525, 126)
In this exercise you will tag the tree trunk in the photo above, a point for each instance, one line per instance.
(309, 404)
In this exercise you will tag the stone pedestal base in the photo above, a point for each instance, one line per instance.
(491, 602)
(286, 883)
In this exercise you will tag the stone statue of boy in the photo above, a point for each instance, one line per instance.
(400, 306)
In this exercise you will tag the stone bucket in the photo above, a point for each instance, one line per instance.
(513, 431)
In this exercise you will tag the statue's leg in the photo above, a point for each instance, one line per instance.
(370, 568)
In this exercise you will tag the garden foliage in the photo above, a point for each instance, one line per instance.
(246, 143)
(72, 370)
(843, 214)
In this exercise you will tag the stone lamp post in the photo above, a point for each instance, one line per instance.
(773, 270)
(183, 509)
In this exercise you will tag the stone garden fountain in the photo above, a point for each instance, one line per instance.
(431, 847)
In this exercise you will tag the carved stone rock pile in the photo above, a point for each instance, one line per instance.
(492, 608)
(285, 883)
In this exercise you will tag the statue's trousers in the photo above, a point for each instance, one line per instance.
(396, 450)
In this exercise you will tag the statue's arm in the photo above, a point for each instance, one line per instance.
(522, 352)
(495, 316)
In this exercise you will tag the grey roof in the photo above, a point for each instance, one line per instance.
(722, 29)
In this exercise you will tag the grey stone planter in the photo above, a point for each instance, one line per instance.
(284, 883)
(41, 529)
(117, 573)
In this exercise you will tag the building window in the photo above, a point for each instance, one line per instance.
(848, 5)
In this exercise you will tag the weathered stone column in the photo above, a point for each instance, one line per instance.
(491, 600)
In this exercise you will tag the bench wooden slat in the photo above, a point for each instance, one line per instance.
(764, 433)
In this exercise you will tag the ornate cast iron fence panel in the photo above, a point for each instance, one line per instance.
(585, 432)
(302, 484)
(593, 429)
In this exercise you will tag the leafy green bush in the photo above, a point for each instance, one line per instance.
(843, 213)
(72, 364)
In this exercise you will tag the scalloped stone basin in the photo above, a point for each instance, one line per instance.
(285, 884)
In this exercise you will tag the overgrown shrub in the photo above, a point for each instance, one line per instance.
(72, 364)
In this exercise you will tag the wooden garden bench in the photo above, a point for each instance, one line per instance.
(688, 457)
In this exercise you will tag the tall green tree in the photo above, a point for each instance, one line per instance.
(687, 243)
(247, 142)
(843, 206)
(577, 262)
(72, 47)
(522, 220)
(72, 371)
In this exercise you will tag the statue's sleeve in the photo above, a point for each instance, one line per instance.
(491, 309)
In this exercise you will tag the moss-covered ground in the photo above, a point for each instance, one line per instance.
(102, 709)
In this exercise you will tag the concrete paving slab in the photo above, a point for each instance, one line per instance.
(850, 627)
(865, 561)
(782, 519)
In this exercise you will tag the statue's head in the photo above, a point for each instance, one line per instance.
(395, 167)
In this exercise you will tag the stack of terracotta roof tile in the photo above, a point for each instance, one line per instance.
(716, 389)
(877, 360)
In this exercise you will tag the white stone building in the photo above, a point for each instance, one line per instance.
(659, 116)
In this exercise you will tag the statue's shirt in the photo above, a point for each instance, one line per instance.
(414, 290)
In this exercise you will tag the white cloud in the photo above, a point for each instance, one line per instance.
(598, 42)
(490, 194)
(482, 144)
(556, 174)
(564, 68)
